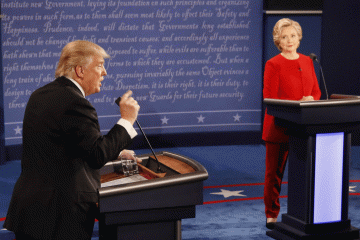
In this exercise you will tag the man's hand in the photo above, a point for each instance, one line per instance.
(129, 107)
(129, 154)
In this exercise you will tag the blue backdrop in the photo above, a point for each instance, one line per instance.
(193, 65)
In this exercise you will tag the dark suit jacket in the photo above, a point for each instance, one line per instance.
(62, 152)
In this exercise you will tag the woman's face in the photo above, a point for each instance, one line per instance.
(289, 40)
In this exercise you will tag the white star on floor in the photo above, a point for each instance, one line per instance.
(201, 119)
(227, 193)
(237, 118)
(164, 120)
(17, 130)
(351, 188)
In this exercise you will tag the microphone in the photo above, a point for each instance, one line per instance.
(314, 58)
(117, 101)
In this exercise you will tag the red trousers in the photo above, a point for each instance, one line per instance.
(276, 157)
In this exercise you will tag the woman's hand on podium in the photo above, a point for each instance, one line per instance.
(307, 98)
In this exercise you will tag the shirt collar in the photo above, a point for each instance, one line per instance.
(78, 85)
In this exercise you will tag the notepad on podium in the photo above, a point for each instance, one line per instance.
(130, 179)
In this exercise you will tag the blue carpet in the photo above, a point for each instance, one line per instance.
(234, 170)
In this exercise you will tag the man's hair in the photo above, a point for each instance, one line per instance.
(77, 53)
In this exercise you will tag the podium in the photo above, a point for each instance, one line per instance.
(318, 166)
(150, 208)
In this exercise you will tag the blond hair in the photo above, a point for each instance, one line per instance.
(77, 53)
(280, 25)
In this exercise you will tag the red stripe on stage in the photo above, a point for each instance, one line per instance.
(252, 184)
(234, 185)
(238, 199)
(238, 185)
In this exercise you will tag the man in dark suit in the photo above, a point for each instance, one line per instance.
(56, 196)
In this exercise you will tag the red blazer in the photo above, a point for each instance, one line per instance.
(290, 80)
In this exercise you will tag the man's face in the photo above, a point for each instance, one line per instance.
(93, 75)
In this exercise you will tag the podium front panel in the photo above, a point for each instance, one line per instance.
(151, 207)
(328, 180)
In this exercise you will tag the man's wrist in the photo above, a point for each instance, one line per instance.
(128, 126)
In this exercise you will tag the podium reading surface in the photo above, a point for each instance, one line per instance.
(152, 208)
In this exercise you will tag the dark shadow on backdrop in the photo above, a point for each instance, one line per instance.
(340, 49)
(199, 139)
(293, 5)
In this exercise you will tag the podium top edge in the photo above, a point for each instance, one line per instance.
(199, 175)
(318, 103)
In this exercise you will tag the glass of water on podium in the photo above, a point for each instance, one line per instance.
(129, 163)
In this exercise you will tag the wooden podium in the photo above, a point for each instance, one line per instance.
(318, 170)
(152, 208)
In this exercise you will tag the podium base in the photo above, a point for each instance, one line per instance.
(285, 232)
(170, 230)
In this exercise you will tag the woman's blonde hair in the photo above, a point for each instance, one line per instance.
(77, 53)
(280, 25)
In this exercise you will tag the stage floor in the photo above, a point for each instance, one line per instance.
(233, 195)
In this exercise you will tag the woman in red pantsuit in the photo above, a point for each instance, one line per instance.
(291, 76)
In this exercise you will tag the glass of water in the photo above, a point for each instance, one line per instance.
(129, 164)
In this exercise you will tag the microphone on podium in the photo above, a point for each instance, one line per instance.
(314, 58)
(117, 101)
